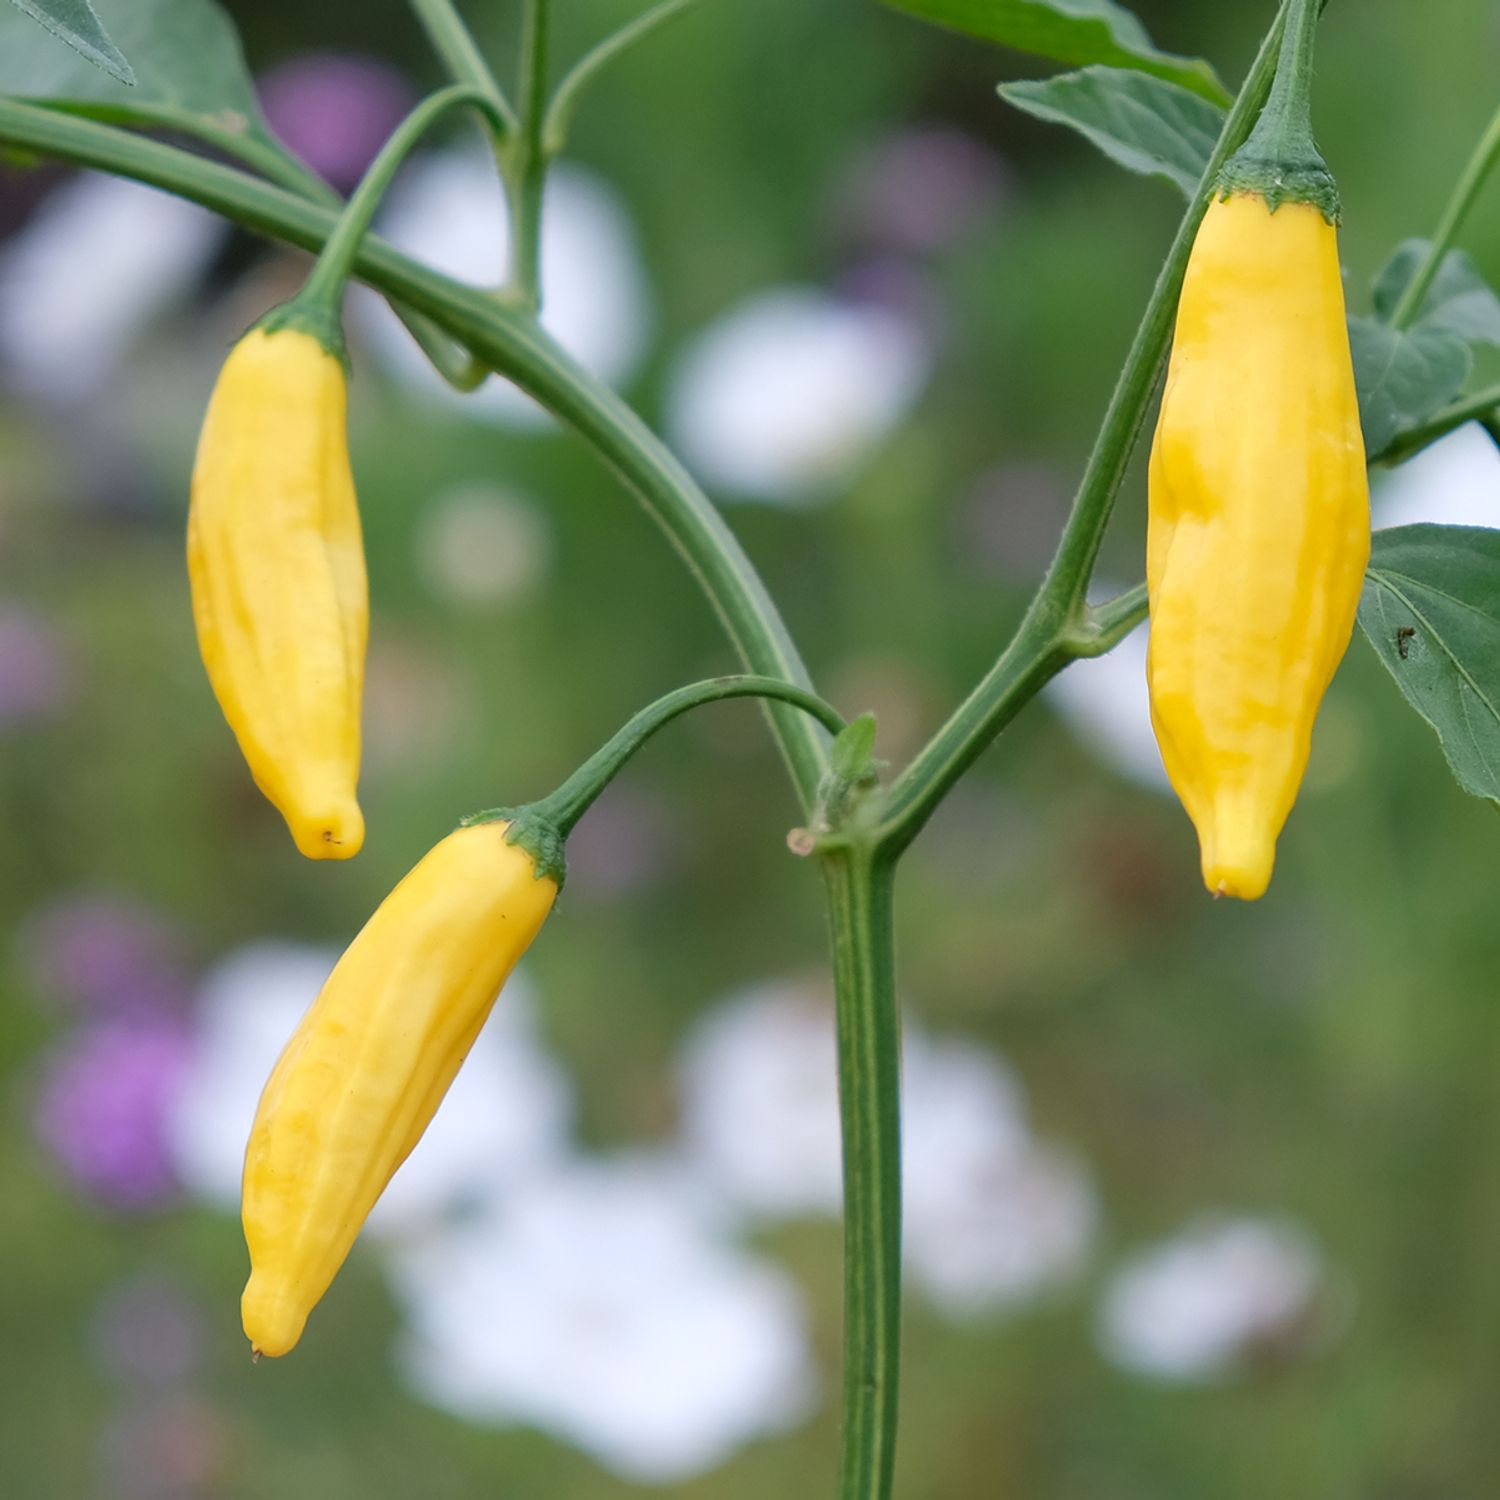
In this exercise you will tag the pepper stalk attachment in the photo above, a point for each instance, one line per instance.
(1280, 161)
(274, 550)
(398, 1015)
(1258, 526)
(542, 828)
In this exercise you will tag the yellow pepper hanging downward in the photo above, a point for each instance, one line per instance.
(277, 568)
(370, 1062)
(1259, 525)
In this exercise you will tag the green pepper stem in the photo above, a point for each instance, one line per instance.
(1287, 117)
(455, 45)
(564, 807)
(1280, 160)
(323, 293)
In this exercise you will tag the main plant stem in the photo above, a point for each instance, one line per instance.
(858, 880)
(525, 159)
(465, 63)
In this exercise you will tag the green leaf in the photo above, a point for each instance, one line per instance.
(1070, 31)
(1144, 123)
(1460, 300)
(190, 76)
(1431, 609)
(1403, 376)
(849, 755)
(75, 22)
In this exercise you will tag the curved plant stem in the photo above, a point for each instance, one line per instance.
(325, 286)
(1404, 445)
(508, 342)
(1105, 625)
(564, 807)
(1044, 642)
(452, 361)
(273, 164)
(1465, 191)
(713, 554)
(525, 160)
(575, 84)
(858, 880)
(454, 44)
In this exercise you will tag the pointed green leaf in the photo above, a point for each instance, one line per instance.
(1431, 609)
(1403, 376)
(75, 22)
(190, 76)
(1460, 300)
(849, 755)
(1070, 31)
(1144, 123)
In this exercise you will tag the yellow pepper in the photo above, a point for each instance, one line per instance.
(277, 569)
(370, 1062)
(1259, 526)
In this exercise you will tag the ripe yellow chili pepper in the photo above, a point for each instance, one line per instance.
(1259, 526)
(277, 568)
(370, 1062)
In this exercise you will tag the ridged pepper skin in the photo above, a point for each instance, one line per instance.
(277, 568)
(369, 1064)
(1259, 526)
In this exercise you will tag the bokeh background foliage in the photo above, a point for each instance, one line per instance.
(1325, 1059)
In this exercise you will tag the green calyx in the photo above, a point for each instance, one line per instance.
(542, 828)
(1279, 181)
(313, 317)
(1280, 161)
(532, 830)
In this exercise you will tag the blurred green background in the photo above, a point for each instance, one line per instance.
(1327, 1055)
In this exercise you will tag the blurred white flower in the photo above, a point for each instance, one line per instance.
(785, 395)
(1105, 702)
(992, 1217)
(1194, 1306)
(481, 546)
(759, 1086)
(447, 210)
(507, 1113)
(601, 1305)
(99, 260)
(1455, 482)
(1017, 1225)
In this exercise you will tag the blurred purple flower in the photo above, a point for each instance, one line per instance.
(147, 1331)
(335, 110)
(918, 191)
(897, 286)
(102, 1107)
(107, 956)
(35, 675)
(176, 1449)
